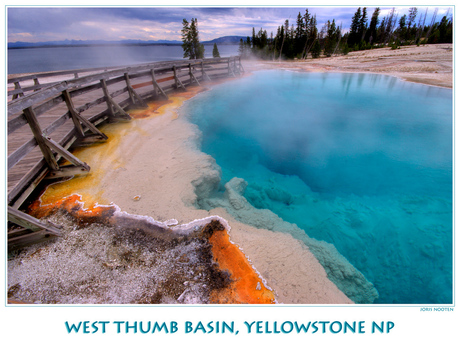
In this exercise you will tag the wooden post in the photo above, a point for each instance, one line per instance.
(132, 93)
(47, 146)
(130, 89)
(230, 71)
(175, 76)
(66, 154)
(177, 80)
(156, 87)
(36, 130)
(17, 86)
(203, 74)
(73, 113)
(78, 120)
(107, 97)
(36, 82)
(111, 104)
(192, 76)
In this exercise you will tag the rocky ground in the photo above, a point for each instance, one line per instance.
(429, 64)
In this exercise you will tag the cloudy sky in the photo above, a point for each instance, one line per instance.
(38, 24)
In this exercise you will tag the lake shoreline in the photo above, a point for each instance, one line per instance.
(427, 64)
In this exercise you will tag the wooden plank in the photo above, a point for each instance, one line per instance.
(141, 85)
(165, 79)
(16, 123)
(35, 97)
(27, 184)
(22, 151)
(22, 219)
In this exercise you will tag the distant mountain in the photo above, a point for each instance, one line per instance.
(226, 40)
(21, 44)
(67, 42)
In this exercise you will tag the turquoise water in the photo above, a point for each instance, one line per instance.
(361, 161)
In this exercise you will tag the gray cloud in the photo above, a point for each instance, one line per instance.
(145, 23)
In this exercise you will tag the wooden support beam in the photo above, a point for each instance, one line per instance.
(28, 239)
(157, 88)
(65, 153)
(88, 140)
(132, 93)
(203, 73)
(178, 82)
(78, 119)
(23, 219)
(107, 97)
(241, 66)
(111, 104)
(36, 82)
(192, 76)
(66, 172)
(17, 86)
(73, 113)
(230, 71)
(36, 130)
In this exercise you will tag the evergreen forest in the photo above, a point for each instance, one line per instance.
(303, 39)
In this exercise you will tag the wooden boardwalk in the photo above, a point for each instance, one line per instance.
(48, 113)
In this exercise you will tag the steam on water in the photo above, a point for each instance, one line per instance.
(361, 161)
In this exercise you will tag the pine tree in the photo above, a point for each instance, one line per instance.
(371, 33)
(215, 51)
(316, 49)
(410, 33)
(353, 36)
(241, 47)
(332, 38)
(190, 41)
(186, 39)
(362, 25)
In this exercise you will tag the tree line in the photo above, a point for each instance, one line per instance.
(303, 39)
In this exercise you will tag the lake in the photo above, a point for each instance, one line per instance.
(361, 161)
(80, 57)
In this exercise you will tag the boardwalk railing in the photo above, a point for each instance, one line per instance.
(48, 115)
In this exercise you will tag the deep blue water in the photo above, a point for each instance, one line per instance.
(81, 57)
(360, 161)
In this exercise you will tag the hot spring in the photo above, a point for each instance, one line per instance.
(361, 161)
